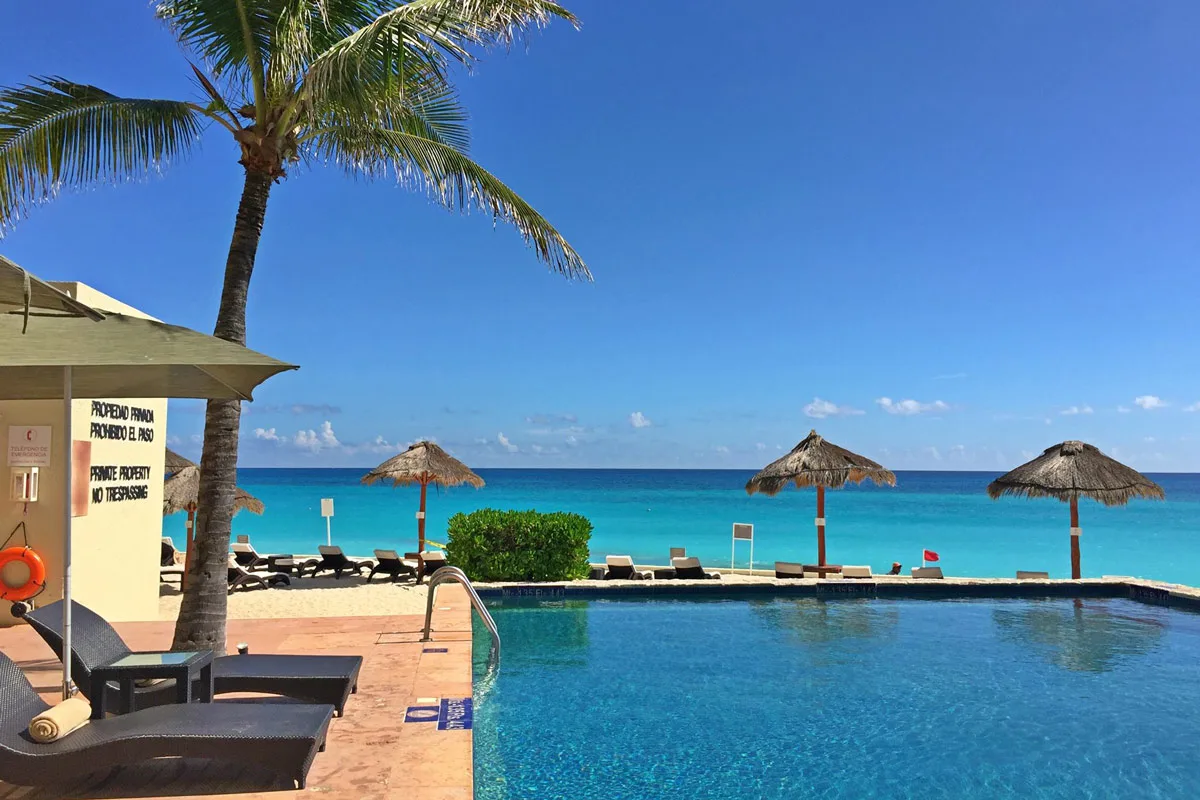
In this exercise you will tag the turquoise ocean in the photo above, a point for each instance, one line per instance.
(643, 513)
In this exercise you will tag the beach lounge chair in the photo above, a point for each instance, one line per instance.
(849, 571)
(621, 568)
(167, 568)
(282, 738)
(927, 572)
(787, 570)
(333, 559)
(430, 561)
(1025, 575)
(389, 562)
(246, 556)
(242, 578)
(689, 568)
(310, 678)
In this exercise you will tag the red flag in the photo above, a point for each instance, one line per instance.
(929, 555)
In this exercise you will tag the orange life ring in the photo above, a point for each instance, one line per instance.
(37, 573)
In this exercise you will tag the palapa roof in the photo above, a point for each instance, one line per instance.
(424, 462)
(816, 462)
(1076, 469)
(182, 489)
(175, 462)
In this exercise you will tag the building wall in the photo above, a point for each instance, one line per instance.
(116, 543)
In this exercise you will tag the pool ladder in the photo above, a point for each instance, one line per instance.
(456, 575)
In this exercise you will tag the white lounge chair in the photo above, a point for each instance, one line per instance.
(927, 572)
(849, 571)
(1025, 575)
(788, 570)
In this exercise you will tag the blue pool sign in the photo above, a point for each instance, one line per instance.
(422, 714)
(456, 714)
(744, 532)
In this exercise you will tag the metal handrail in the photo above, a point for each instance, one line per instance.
(444, 574)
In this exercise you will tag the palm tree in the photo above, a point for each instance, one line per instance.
(363, 84)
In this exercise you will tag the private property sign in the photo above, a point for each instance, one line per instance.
(29, 445)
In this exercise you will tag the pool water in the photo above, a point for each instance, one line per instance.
(796, 698)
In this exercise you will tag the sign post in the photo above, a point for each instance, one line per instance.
(327, 513)
(745, 532)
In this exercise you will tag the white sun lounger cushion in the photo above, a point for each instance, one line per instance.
(849, 571)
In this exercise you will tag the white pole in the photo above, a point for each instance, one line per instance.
(328, 534)
(67, 476)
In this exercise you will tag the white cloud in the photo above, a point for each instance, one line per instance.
(760, 447)
(639, 420)
(268, 434)
(506, 444)
(314, 441)
(1192, 407)
(722, 449)
(196, 438)
(572, 441)
(483, 441)
(1073, 410)
(908, 408)
(1149, 402)
(174, 440)
(1122, 409)
(1149, 439)
(820, 409)
(933, 453)
(1027, 454)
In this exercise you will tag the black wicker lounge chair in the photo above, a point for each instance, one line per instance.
(246, 556)
(282, 738)
(309, 678)
(621, 568)
(689, 568)
(241, 578)
(389, 562)
(333, 559)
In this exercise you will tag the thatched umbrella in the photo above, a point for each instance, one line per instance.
(175, 462)
(180, 493)
(423, 463)
(816, 462)
(1070, 470)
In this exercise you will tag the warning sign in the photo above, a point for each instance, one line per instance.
(29, 445)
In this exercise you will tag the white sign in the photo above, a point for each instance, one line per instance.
(326, 506)
(742, 532)
(29, 446)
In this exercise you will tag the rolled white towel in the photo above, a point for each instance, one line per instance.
(56, 722)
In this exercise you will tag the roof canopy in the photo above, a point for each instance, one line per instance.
(1076, 469)
(816, 462)
(423, 462)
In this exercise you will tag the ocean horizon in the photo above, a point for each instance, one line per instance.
(645, 512)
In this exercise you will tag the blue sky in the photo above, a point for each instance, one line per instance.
(931, 230)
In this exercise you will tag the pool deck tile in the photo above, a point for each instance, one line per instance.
(371, 752)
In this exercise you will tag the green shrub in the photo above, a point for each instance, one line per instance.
(491, 545)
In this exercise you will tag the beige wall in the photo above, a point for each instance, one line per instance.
(116, 545)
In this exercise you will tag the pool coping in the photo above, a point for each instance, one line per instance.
(1109, 587)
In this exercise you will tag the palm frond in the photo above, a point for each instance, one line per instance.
(213, 30)
(57, 133)
(424, 36)
(452, 178)
(427, 108)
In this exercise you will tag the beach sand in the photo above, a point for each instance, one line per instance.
(313, 597)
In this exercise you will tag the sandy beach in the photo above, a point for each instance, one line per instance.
(313, 597)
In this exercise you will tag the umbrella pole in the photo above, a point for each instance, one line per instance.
(68, 477)
(421, 520)
(1075, 572)
(821, 526)
(187, 545)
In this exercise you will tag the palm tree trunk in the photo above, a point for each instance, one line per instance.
(201, 622)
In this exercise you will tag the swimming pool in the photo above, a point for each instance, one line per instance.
(800, 697)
